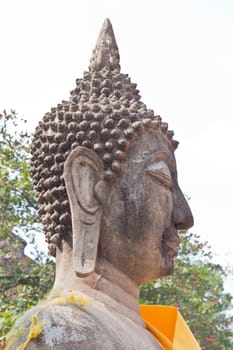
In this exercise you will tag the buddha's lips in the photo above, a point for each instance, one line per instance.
(170, 243)
(171, 248)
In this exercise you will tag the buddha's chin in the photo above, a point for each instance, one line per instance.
(168, 266)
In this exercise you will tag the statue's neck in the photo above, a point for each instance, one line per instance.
(107, 285)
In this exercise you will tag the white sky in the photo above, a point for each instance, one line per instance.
(180, 53)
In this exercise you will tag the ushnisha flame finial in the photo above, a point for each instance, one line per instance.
(106, 52)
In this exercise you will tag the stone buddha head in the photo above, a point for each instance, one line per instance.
(105, 175)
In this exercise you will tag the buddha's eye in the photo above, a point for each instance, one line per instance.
(160, 173)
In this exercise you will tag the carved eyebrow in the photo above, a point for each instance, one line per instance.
(161, 175)
(156, 156)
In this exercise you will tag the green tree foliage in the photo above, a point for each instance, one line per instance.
(22, 285)
(22, 281)
(17, 200)
(197, 289)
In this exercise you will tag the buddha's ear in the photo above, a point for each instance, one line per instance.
(87, 193)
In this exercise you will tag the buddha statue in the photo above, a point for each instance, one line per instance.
(105, 174)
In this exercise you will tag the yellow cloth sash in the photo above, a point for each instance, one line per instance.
(169, 327)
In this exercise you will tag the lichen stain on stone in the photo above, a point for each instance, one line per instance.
(37, 326)
(72, 298)
(78, 299)
(12, 337)
(35, 330)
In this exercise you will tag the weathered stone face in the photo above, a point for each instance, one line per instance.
(104, 114)
(144, 210)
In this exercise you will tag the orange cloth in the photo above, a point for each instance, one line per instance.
(168, 327)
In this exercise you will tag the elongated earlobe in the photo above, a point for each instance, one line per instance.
(82, 174)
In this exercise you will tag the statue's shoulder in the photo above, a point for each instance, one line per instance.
(59, 326)
(77, 322)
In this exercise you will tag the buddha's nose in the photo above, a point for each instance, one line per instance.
(182, 215)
